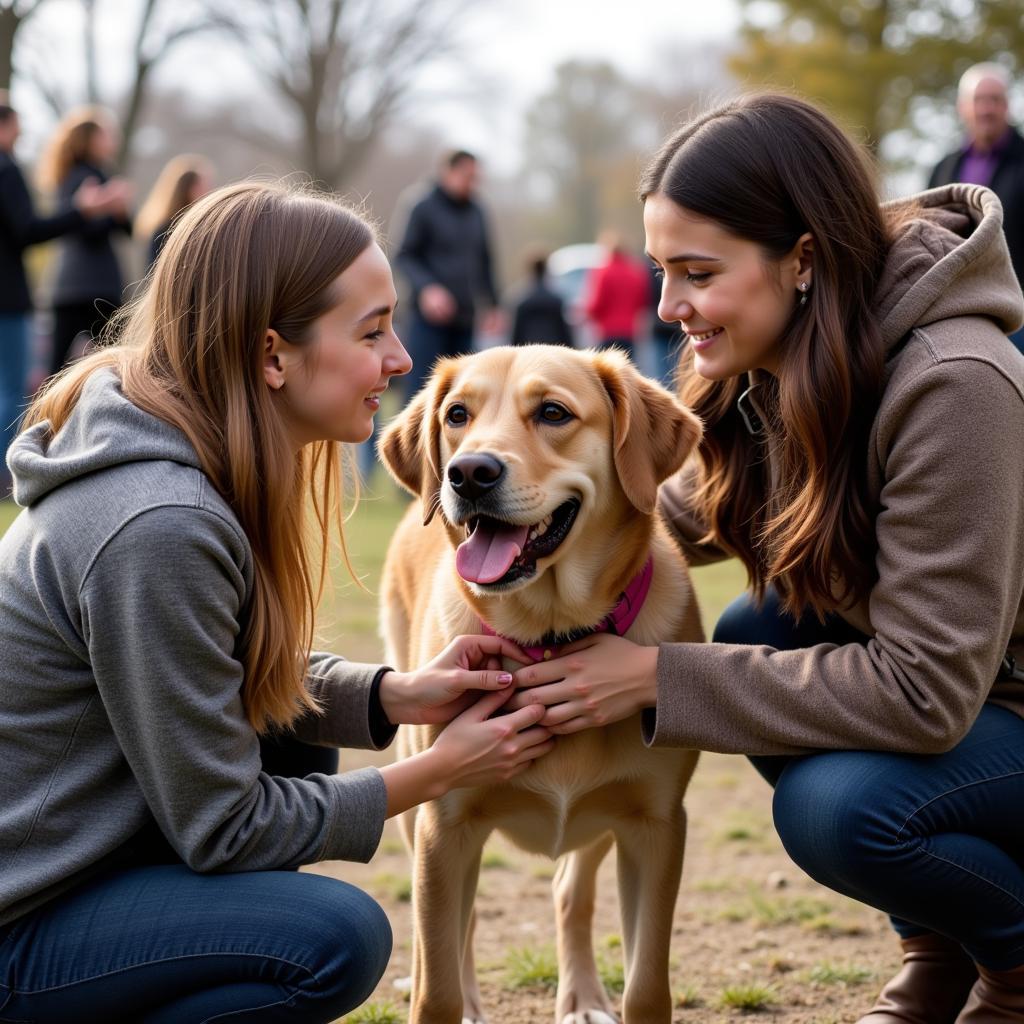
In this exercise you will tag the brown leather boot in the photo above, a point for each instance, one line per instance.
(997, 998)
(932, 986)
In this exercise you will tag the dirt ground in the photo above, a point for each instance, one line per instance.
(750, 928)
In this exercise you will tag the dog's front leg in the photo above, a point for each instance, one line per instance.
(650, 863)
(581, 997)
(445, 871)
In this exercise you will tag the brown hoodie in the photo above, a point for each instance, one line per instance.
(946, 468)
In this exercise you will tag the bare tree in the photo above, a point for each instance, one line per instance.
(161, 26)
(345, 67)
(154, 39)
(13, 15)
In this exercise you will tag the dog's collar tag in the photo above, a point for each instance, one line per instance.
(617, 621)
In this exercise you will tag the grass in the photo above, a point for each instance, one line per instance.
(748, 998)
(531, 967)
(376, 1013)
(347, 620)
(397, 887)
(839, 974)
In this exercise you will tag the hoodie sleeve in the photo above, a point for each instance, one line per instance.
(951, 571)
(161, 608)
(349, 695)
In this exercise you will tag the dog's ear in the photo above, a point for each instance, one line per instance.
(653, 432)
(410, 447)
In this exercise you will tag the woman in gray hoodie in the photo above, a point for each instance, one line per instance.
(156, 614)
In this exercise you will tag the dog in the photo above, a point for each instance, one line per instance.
(537, 470)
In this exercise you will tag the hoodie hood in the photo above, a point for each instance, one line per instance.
(103, 430)
(948, 260)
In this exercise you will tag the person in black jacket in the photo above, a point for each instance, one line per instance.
(21, 227)
(445, 254)
(991, 155)
(539, 313)
(88, 284)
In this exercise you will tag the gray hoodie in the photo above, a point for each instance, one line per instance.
(124, 585)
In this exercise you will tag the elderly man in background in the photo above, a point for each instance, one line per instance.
(992, 155)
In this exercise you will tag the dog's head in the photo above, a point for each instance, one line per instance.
(521, 447)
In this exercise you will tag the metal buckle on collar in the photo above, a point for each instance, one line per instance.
(1010, 669)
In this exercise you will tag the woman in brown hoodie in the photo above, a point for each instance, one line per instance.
(863, 458)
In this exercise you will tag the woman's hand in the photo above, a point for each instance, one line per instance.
(478, 750)
(595, 681)
(443, 688)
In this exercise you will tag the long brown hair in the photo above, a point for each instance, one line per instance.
(171, 193)
(768, 168)
(242, 260)
(70, 144)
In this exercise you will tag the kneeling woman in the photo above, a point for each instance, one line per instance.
(863, 457)
(156, 616)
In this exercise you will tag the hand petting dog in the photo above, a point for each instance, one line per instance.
(595, 681)
(443, 688)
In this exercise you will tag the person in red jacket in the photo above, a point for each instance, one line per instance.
(618, 295)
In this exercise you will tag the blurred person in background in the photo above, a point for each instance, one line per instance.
(618, 294)
(21, 227)
(88, 285)
(992, 155)
(445, 255)
(183, 180)
(538, 313)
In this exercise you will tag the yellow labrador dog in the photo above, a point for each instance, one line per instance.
(537, 470)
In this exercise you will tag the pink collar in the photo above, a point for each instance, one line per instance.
(617, 621)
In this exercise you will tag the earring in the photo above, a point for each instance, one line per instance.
(803, 292)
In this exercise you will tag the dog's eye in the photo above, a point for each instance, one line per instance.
(552, 412)
(456, 416)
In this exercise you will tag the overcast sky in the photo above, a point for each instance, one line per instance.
(514, 49)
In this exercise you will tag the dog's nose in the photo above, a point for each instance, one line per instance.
(473, 474)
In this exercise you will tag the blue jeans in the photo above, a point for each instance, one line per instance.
(1018, 339)
(156, 943)
(935, 841)
(15, 341)
(426, 343)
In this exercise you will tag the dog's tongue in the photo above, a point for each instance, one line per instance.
(490, 551)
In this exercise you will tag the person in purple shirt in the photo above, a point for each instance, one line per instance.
(991, 155)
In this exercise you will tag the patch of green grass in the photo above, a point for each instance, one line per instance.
(748, 830)
(376, 1013)
(748, 998)
(839, 974)
(714, 885)
(788, 910)
(391, 847)
(494, 860)
(545, 872)
(8, 513)
(531, 967)
(826, 924)
(397, 887)
(687, 998)
(612, 975)
(612, 942)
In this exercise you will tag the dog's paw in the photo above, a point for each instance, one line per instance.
(473, 1020)
(590, 1017)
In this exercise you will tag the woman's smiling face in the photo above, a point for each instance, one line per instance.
(728, 297)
